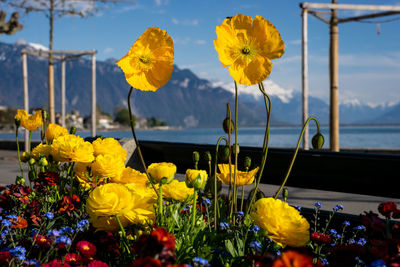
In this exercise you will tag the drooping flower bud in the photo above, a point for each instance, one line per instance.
(225, 125)
(317, 141)
(207, 156)
(223, 154)
(196, 157)
(235, 148)
(72, 130)
(17, 122)
(24, 157)
(285, 194)
(45, 115)
(247, 162)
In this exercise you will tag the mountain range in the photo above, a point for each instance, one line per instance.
(186, 100)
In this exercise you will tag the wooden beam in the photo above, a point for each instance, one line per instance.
(63, 93)
(318, 16)
(334, 81)
(369, 16)
(333, 6)
(94, 95)
(304, 80)
(26, 94)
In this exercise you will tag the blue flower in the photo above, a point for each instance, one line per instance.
(378, 263)
(34, 263)
(66, 230)
(318, 205)
(201, 261)
(239, 214)
(49, 215)
(346, 223)
(255, 245)
(63, 239)
(254, 229)
(361, 241)
(351, 241)
(360, 227)
(206, 202)
(34, 231)
(324, 262)
(4, 233)
(298, 207)
(224, 225)
(6, 222)
(338, 236)
(18, 252)
(53, 233)
(12, 217)
(81, 225)
(338, 207)
(333, 231)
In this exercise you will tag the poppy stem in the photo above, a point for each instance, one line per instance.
(18, 153)
(136, 141)
(194, 208)
(295, 154)
(215, 180)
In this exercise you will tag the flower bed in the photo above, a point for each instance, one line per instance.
(79, 205)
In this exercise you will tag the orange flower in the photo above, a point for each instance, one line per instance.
(20, 223)
(292, 258)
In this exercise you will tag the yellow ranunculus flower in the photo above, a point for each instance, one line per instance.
(53, 131)
(247, 47)
(149, 63)
(282, 223)
(83, 175)
(32, 122)
(42, 149)
(162, 170)
(130, 175)
(242, 178)
(107, 166)
(133, 206)
(196, 178)
(108, 146)
(71, 148)
(177, 190)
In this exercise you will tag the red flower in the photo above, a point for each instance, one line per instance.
(49, 178)
(373, 222)
(387, 208)
(42, 241)
(57, 263)
(164, 238)
(20, 223)
(97, 263)
(73, 259)
(68, 203)
(86, 248)
(5, 258)
(291, 258)
(320, 238)
(146, 262)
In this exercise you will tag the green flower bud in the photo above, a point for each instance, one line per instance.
(45, 115)
(207, 156)
(235, 148)
(225, 125)
(20, 180)
(196, 156)
(317, 141)
(72, 130)
(247, 162)
(32, 161)
(223, 154)
(43, 162)
(17, 122)
(285, 193)
(24, 157)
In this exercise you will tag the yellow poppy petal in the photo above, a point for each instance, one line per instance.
(268, 37)
(253, 73)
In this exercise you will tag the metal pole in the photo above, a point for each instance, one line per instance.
(304, 77)
(26, 94)
(93, 94)
(63, 92)
(334, 80)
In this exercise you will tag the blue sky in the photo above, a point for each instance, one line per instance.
(369, 62)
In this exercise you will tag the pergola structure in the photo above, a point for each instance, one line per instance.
(63, 56)
(333, 21)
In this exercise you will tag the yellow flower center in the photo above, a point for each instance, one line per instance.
(85, 248)
(145, 59)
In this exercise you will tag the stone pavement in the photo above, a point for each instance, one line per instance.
(353, 203)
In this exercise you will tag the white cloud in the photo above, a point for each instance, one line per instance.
(185, 22)
(200, 42)
(108, 50)
(294, 42)
(175, 21)
(181, 41)
(161, 2)
(128, 8)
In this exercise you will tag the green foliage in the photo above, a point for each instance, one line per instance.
(12, 25)
(154, 122)
(122, 117)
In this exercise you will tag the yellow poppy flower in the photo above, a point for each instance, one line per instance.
(54, 131)
(32, 122)
(177, 190)
(109, 146)
(162, 170)
(242, 178)
(282, 223)
(71, 148)
(107, 166)
(41, 149)
(247, 47)
(130, 175)
(149, 63)
(196, 178)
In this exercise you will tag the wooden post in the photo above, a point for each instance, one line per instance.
(304, 80)
(93, 94)
(334, 80)
(63, 92)
(26, 94)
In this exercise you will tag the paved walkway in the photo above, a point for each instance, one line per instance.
(353, 203)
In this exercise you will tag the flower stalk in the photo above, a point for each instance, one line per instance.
(215, 180)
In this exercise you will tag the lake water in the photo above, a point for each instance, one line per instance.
(350, 136)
